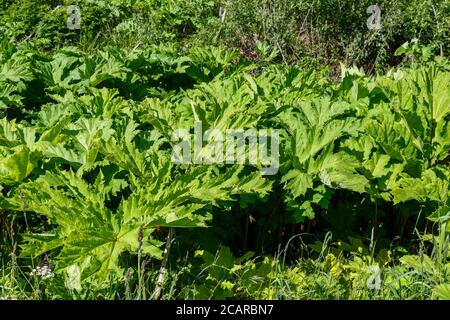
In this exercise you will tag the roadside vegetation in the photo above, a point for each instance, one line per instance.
(92, 205)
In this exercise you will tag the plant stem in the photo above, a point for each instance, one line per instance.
(163, 269)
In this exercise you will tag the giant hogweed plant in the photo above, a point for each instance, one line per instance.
(94, 156)
(111, 190)
(388, 137)
(87, 167)
(405, 140)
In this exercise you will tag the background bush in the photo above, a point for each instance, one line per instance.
(311, 32)
(139, 68)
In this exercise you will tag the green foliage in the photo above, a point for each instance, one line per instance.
(86, 145)
(330, 275)
(309, 32)
(87, 167)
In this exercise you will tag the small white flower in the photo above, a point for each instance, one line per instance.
(44, 272)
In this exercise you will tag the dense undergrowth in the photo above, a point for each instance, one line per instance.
(312, 33)
(90, 196)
